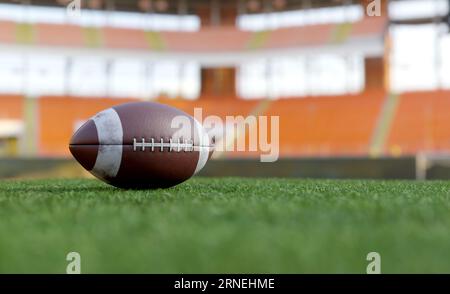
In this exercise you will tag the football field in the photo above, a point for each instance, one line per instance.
(225, 225)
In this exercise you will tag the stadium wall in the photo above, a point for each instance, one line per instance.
(323, 168)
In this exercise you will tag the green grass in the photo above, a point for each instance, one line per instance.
(225, 226)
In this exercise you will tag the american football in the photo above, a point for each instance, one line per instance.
(179, 138)
(135, 145)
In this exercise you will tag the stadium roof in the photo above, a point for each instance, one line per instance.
(191, 6)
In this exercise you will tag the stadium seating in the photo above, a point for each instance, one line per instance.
(311, 126)
(61, 35)
(303, 36)
(124, 38)
(319, 126)
(208, 39)
(211, 39)
(11, 107)
(324, 126)
(369, 26)
(59, 118)
(421, 123)
(327, 126)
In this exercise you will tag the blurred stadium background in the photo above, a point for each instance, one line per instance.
(358, 96)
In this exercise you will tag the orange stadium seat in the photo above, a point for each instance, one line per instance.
(327, 126)
(7, 32)
(300, 36)
(208, 39)
(369, 26)
(324, 126)
(11, 107)
(58, 117)
(125, 38)
(59, 35)
(422, 123)
(220, 107)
